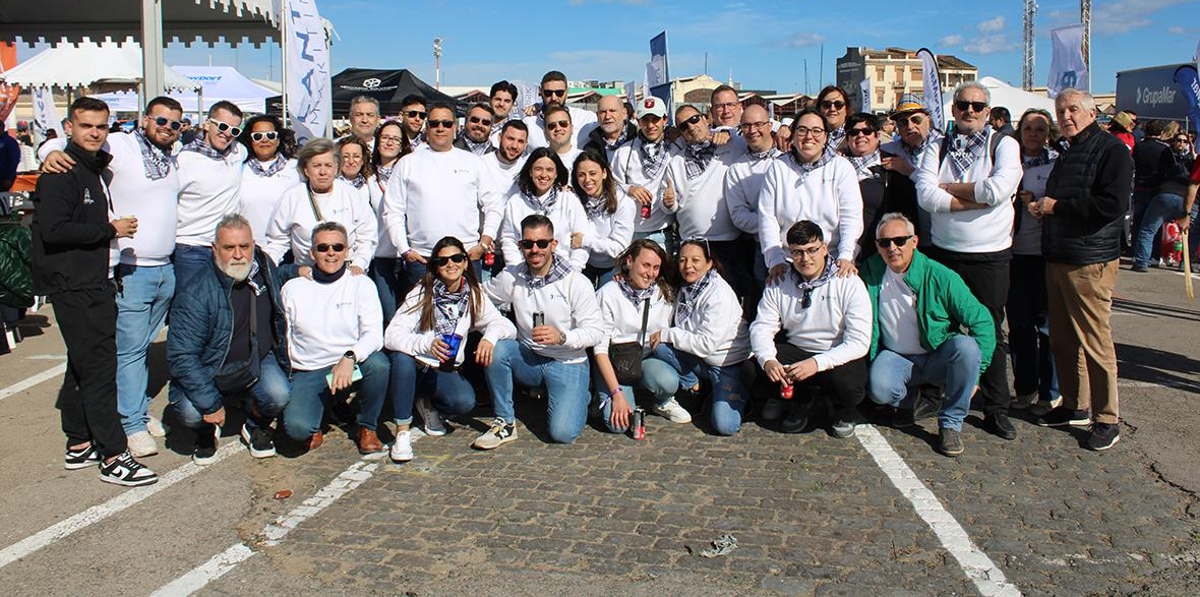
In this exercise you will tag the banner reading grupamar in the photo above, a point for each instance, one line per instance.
(1067, 67)
(931, 88)
(309, 89)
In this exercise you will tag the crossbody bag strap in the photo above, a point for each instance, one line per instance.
(645, 320)
(312, 202)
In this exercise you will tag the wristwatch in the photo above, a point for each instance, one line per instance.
(350, 355)
(562, 338)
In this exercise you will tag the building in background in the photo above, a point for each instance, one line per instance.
(894, 72)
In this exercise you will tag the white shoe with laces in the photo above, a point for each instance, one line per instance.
(155, 427)
(140, 444)
(672, 412)
(402, 447)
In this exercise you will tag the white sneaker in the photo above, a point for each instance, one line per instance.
(402, 447)
(155, 427)
(430, 417)
(672, 412)
(140, 444)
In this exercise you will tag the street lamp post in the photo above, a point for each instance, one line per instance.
(437, 63)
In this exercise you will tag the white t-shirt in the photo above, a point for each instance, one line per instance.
(898, 325)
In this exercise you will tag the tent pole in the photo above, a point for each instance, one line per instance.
(284, 15)
(152, 52)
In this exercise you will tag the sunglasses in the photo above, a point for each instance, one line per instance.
(1181, 140)
(325, 247)
(528, 244)
(433, 124)
(554, 92)
(478, 120)
(802, 131)
(175, 124)
(827, 104)
(690, 121)
(962, 106)
(915, 120)
(416, 114)
(865, 132)
(899, 241)
(456, 258)
(224, 127)
(264, 135)
(698, 240)
(558, 124)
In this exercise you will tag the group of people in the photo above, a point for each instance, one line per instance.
(608, 262)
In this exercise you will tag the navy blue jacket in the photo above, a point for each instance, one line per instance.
(202, 329)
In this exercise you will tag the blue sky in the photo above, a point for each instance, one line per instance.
(765, 44)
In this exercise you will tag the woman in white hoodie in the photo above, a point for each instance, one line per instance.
(610, 213)
(427, 338)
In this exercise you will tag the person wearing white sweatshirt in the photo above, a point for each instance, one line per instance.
(967, 185)
(502, 167)
(640, 169)
(269, 170)
(827, 320)
(210, 184)
(334, 337)
(557, 320)
(391, 144)
(610, 214)
(321, 198)
(709, 336)
(554, 93)
(428, 343)
(542, 189)
(743, 184)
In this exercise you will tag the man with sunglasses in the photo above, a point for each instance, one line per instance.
(901, 156)
(640, 168)
(919, 307)
(554, 93)
(968, 185)
(474, 137)
(145, 185)
(413, 114)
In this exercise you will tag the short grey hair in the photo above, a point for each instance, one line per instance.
(328, 227)
(312, 149)
(1085, 99)
(231, 221)
(965, 85)
(896, 216)
(365, 99)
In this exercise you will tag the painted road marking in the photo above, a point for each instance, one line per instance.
(21, 386)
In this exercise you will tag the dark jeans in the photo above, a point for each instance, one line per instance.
(189, 260)
(1029, 329)
(844, 385)
(987, 277)
(88, 398)
(384, 273)
(737, 259)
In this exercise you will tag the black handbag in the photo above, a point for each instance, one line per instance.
(626, 357)
(241, 375)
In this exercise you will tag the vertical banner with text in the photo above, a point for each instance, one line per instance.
(45, 114)
(932, 88)
(310, 93)
(1067, 67)
(864, 90)
(658, 73)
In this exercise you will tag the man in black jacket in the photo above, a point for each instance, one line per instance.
(1087, 195)
(74, 252)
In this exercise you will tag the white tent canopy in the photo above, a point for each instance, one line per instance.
(1016, 100)
(89, 64)
(218, 83)
(185, 21)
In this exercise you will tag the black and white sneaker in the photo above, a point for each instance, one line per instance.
(205, 452)
(82, 458)
(126, 471)
(259, 441)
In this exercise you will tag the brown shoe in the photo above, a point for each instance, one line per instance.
(368, 442)
(316, 440)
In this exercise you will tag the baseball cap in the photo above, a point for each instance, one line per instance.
(651, 105)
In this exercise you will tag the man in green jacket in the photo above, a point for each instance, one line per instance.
(920, 307)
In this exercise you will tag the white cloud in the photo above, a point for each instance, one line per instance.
(803, 40)
(1176, 30)
(992, 25)
(950, 41)
(990, 44)
(1116, 18)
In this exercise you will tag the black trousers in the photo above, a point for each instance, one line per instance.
(845, 385)
(737, 259)
(88, 398)
(987, 277)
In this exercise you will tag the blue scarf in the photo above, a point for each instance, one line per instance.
(964, 150)
(199, 146)
(542, 207)
(634, 295)
(806, 287)
(698, 155)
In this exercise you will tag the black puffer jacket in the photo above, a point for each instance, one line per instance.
(71, 229)
(1091, 183)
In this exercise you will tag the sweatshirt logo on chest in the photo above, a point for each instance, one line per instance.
(87, 197)
(343, 305)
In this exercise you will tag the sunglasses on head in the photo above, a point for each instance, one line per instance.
(478, 120)
(264, 135)
(325, 247)
(225, 127)
(690, 121)
(899, 241)
(554, 92)
(416, 114)
(827, 104)
(528, 244)
(962, 106)
(698, 240)
(456, 258)
(174, 124)
(433, 124)
(854, 132)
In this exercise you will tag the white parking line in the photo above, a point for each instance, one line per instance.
(974, 563)
(97, 513)
(21, 386)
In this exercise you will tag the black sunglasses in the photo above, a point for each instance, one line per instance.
(528, 244)
(175, 124)
(225, 127)
(416, 114)
(827, 104)
(899, 241)
(261, 135)
(456, 258)
(690, 121)
(914, 119)
(325, 247)
(478, 120)
(559, 124)
(854, 132)
(962, 106)
(554, 92)
(433, 124)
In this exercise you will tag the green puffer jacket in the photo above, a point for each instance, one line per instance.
(944, 305)
(16, 265)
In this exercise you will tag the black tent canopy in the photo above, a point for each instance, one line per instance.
(389, 86)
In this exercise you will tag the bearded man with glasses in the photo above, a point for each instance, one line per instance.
(554, 93)
(474, 137)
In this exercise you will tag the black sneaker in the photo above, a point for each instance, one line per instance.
(1104, 436)
(1063, 416)
(951, 442)
(205, 452)
(126, 471)
(259, 441)
(903, 417)
(998, 424)
(797, 418)
(81, 459)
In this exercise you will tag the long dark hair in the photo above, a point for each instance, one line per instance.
(665, 277)
(426, 305)
(608, 189)
(287, 137)
(525, 178)
(405, 143)
(706, 250)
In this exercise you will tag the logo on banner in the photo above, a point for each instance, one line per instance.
(1068, 79)
(372, 83)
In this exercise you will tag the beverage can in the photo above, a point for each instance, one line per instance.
(539, 318)
(785, 391)
(489, 258)
(645, 210)
(637, 423)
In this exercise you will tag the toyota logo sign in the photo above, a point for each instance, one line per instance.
(371, 83)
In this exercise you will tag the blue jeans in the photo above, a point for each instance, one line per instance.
(452, 395)
(729, 393)
(666, 238)
(1164, 206)
(659, 378)
(566, 387)
(310, 392)
(383, 272)
(189, 260)
(142, 304)
(599, 276)
(270, 395)
(893, 378)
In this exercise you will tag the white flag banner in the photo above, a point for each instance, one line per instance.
(1067, 68)
(528, 94)
(310, 93)
(771, 110)
(646, 81)
(631, 91)
(865, 89)
(931, 87)
(1196, 58)
(45, 114)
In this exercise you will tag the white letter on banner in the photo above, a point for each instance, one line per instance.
(309, 95)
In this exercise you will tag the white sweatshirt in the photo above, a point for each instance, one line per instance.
(208, 191)
(376, 191)
(292, 223)
(829, 197)
(623, 319)
(500, 176)
(700, 202)
(714, 331)
(568, 217)
(610, 233)
(261, 194)
(836, 327)
(743, 184)
(432, 194)
(326, 320)
(569, 306)
(582, 121)
(627, 171)
(985, 230)
(404, 332)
